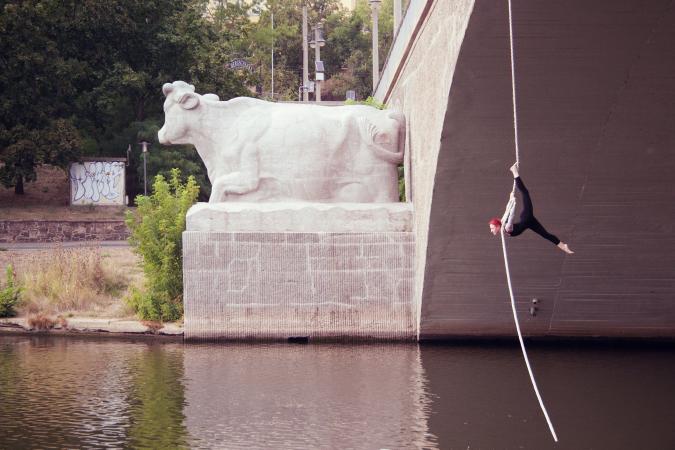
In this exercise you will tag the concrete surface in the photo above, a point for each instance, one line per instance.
(300, 217)
(284, 285)
(596, 102)
(422, 69)
(91, 324)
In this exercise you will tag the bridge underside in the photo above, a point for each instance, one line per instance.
(596, 105)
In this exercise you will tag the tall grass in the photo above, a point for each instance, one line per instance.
(66, 280)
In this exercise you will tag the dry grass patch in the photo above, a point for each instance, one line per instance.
(84, 281)
(40, 322)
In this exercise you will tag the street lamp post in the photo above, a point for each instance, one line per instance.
(375, 8)
(144, 145)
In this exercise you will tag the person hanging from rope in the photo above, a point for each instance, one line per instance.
(527, 219)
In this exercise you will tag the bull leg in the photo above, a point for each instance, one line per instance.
(243, 181)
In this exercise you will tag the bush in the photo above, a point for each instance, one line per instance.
(370, 101)
(401, 185)
(10, 294)
(156, 231)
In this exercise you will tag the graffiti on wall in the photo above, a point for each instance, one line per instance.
(97, 183)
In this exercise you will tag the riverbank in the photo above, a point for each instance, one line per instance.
(77, 289)
(91, 325)
(84, 281)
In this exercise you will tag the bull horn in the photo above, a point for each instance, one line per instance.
(167, 88)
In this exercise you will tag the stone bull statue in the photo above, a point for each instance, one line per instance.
(262, 151)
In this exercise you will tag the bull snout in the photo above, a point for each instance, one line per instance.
(161, 136)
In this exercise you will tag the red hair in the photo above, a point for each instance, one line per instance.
(496, 222)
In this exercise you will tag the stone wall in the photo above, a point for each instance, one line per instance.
(299, 269)
(416, 81)
(282, 285)
(60, 230)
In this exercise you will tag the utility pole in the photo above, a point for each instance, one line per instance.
(375, 8)
(272, 56)
(305, 57)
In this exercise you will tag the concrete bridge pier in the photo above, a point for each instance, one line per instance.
(596, 101)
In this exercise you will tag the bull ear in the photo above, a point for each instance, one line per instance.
(212, 97)
(167, 88)
(189, 100)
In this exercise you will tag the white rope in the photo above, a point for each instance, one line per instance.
(522, 344)
(513, 93)
(506, 259)
(513, 86)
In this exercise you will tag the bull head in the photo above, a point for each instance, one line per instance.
(185, 94)
(182, 85)
(177, 121)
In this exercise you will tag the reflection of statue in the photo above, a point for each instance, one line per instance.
(261, 151)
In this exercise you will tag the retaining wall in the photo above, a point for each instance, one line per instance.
(61, 231)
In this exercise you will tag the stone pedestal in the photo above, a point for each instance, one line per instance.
(279, 271)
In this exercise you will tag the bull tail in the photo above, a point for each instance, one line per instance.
(380, 151)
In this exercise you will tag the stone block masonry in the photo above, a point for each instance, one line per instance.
(61, 230)
(278, 285)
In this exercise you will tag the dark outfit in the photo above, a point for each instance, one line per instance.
(527, 219)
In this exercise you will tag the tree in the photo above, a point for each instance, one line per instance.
(348, 51)
(83, 78)
(37, 83)
(287, 41)
(76, 75)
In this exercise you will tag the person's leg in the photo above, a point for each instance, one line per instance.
(527, 213)
(538, 228)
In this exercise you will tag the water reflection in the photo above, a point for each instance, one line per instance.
(156, 398)
(78, 393)
(317, 396)
(93, 393)
(598, 396)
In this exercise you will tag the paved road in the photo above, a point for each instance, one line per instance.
(42, 245)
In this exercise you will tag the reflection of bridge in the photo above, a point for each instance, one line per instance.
(597, 131)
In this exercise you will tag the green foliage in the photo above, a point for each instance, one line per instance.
(157, 390)
(156, 231)
(401, 184)
(82, 78)
(370, 101)
(347, 53)
(10, 294)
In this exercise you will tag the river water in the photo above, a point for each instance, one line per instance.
(67, 392)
